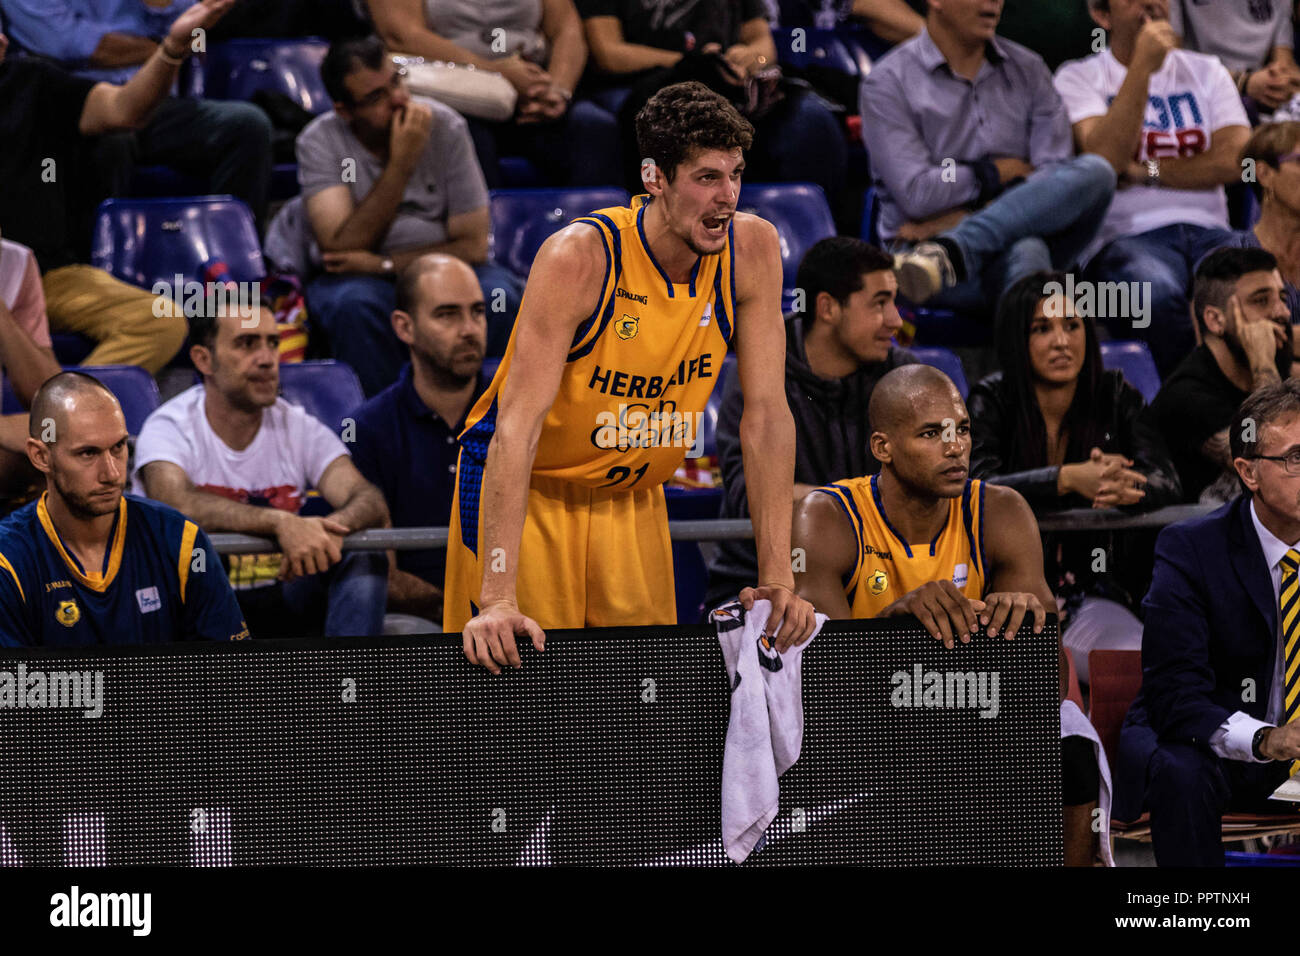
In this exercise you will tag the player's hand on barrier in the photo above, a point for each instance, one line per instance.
(489, 638)
(792, 620)
(1005, 611)
(942, 610)
(309, 545)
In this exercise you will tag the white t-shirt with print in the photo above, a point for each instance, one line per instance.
(291, 451)
(1188, 101)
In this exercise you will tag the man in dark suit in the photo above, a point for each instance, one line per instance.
(1213, 728)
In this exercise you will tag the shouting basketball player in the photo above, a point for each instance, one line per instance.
(559, 518)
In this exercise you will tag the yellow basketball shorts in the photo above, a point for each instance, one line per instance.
(588, 557)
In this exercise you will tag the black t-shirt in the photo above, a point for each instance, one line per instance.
(1196, 401)
(680, 25)
(40, 109)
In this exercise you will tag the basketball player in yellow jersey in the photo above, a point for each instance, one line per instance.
(559, 518)
(920, 538)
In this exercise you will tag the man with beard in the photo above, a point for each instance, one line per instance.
(86, 564)
(386, 178)
(406, 435)
(1240, 304)
(233, 456)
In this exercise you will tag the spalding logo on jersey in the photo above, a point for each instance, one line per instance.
(878, 582)
(626, 327)
(67, 613)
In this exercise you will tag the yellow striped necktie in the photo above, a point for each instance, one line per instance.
(1290, 617)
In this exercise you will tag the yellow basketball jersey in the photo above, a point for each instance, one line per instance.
(639, 370)
(887, 567)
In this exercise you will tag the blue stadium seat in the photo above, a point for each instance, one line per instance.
(328, 389)
(237, 69)
(522, 219)
(801, 216)
(143, 241)
(946, 361)
(1133, 358)
(135, 389)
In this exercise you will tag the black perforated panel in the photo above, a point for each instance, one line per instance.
(606, 749)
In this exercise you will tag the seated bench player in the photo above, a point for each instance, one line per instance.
(86, 564)
(922, 538)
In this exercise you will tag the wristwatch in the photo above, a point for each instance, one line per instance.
(1153, 172)
(1256, 741)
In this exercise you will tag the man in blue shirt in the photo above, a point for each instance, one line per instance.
(406, 435)
(86, 564)
(228, 143)
(972, 157)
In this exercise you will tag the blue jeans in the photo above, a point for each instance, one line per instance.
(1166, 258)
(1042, 224)
(356, 313)
(348, 600)
(800, 141)
(581, 148)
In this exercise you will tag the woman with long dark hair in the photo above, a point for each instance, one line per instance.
(1065, 433)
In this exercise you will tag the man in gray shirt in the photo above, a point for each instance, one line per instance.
(387, 178)
(972, 158)
(1254, 39)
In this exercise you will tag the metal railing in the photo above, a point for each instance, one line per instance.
(414, 539)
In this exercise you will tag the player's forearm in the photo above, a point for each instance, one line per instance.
(503, 502)
(767, 441)
(369, 221)
(1117, 134)
(366, 508)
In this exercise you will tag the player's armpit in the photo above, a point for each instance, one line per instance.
(826, 549)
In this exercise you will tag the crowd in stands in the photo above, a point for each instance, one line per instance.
(1055, 175)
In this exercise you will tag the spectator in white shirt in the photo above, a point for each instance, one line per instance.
(233, 456)
(1172, 125)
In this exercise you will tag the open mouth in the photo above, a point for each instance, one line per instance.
(717, 225)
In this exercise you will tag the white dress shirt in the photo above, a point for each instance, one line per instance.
(1233, 738)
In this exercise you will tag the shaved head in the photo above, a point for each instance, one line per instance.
(898, 397)
(63, 395)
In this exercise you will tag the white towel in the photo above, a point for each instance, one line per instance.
(765, 732)
(1075, 724)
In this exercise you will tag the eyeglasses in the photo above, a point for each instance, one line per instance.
(1290, 462)
(375, 96)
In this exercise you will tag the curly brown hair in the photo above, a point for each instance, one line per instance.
(686, 117)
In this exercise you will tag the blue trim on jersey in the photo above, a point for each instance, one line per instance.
(474, 443)
(695, 271)
(967, 521)
(585, 327)
(720, 307)
(645, 244)
(731, 249)
(880, 506)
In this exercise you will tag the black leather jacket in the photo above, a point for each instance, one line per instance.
(1068, 557)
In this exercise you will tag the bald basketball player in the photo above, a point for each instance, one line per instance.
(922, 538)
(86, 564)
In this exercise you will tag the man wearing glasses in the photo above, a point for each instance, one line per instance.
(1240, 305)
(386, 178)
(1214, 727)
